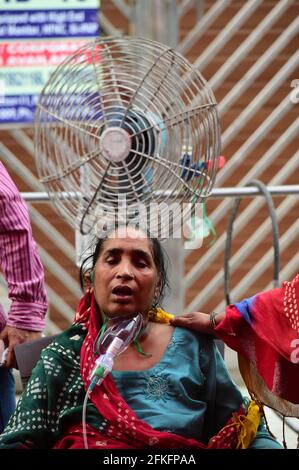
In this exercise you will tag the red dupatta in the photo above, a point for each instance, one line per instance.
(124, 429)
(264, 329)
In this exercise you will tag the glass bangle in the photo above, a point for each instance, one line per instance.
(213, 319)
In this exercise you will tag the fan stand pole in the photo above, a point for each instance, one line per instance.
(162, 25)
(161, 21)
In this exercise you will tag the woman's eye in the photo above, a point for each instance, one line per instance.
(111, 261)
(141, 264)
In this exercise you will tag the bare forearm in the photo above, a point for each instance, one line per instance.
(199, 321)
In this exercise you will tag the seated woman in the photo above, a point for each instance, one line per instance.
(170, 389)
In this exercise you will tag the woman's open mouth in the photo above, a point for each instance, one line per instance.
(122, 293)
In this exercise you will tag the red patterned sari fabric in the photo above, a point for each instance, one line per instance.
(265, 330)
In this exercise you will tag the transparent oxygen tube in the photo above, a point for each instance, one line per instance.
(119, 334)
(117, 337)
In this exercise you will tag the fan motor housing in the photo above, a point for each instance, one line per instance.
(116, 144)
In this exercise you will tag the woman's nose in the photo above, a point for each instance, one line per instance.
(125, 271)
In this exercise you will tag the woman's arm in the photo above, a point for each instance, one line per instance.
(199, 321)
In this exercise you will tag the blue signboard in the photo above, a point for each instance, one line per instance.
(36, 36)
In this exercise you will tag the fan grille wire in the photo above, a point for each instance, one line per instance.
(145, 88)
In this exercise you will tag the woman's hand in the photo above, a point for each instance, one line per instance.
(198, 321)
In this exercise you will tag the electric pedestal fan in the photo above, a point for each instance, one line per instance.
(126, 121)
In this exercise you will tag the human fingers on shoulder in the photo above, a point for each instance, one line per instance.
(194, 320)
(181, 319)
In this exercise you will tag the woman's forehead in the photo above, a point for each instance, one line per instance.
(127, 238)
(127, 232)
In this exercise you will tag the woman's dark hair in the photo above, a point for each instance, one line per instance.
(161, 261)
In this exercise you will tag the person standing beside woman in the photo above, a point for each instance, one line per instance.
(24, 275)
(264, 331)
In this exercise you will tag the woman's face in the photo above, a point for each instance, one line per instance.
(125, 274)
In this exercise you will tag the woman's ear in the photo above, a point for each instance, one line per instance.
(89, 278)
